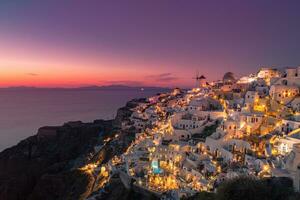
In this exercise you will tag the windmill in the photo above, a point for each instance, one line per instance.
(200, 80)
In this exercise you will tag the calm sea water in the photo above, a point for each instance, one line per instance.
(23, 112)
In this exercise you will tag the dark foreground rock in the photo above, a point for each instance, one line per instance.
(46, 165)
(249, 188)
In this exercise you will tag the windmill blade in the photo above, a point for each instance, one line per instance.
(197, 75)
(197, 78)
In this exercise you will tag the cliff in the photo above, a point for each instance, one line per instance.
(45, 166)
(41, 165)
(125, 112)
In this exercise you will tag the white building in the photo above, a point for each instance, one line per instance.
(292, 77)
(250, 121)
(187, 121)
(288, 126)
(295, 104)
(283, 93)
(251, 97)
(203, 104)
(267, 74)
(285, 144)
(230, 126)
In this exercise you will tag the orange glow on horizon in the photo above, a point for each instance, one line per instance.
(27, 63)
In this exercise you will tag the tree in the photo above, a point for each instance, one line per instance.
(243, 188)
(250, 188)
(202, 196)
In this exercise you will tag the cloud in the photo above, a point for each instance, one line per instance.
(32, 74)
(164, 77)
(161, 79)
(123, 82)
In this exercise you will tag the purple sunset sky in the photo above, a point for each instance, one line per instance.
(71, 43)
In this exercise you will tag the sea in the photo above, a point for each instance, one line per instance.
(22, 112)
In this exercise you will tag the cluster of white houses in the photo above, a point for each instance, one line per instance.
(193, 140)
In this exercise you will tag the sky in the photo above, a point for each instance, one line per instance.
(71, 43)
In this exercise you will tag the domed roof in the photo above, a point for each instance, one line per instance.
(202, 77)
(228, 77)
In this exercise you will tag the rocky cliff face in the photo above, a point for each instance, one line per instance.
(41, 166)
(125, 112)
(45, 166)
